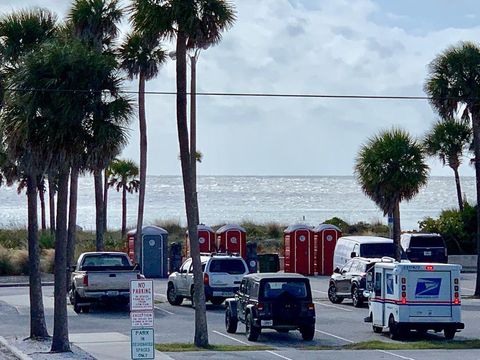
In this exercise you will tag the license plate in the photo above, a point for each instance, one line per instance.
(223, 293)
(266, 322)
(427, 253)
(112, 293)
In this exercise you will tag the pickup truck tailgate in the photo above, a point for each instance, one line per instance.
(115, 280)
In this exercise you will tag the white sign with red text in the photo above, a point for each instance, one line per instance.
(142, 319)
(141, 295)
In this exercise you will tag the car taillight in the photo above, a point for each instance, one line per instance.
(206, 279)
(260, 307)
(311, 306)
(85, 280)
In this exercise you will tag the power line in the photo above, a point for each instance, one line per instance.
(237, 94)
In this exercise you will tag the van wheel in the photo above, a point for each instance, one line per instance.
(230, 322)
(393, 328)
(377, 329)
(356, 298)
(332, 294)
(449, 333)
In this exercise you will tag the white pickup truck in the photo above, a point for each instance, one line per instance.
(101, 276)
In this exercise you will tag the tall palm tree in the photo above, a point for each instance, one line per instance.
(22, 185)
(188, 22)
(447, 140)
(95, 23)
(21, 33)
(52, 190)
(391, 168)
(141, 55)
(453, 80)
(124, 178)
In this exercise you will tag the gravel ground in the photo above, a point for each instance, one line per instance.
(40, 350)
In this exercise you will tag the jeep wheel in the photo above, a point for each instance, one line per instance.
(230, 322)
(307, 332)
(172, 297)
(252, 331)
(217, 300)
(356, 297)
(332, 294)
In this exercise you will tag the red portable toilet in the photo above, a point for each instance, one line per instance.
(325, 237)
(299, 249)
(206, 240)
(232, 238)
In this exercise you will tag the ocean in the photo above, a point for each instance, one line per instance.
(261, 199)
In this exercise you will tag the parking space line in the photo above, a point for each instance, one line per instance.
(333, 306)
(393, 354)
(231, 337)
(335, 336)
(274, 353)
(319, 291)
(166, 311)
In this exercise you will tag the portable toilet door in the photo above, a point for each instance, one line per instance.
(299, 249)
(232, 239)
(206, 240)
(154, 257)
(325, 237)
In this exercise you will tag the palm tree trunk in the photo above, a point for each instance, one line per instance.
(201, 331)
(459, 188)
(97, 178)
(476, 142)
(51, 203)
(41, 196)
(397, 231)
(72, 222)
(105, 201)
(193, 128)
(38, 328)
(124, 210)
(143, 165)
(60, 341)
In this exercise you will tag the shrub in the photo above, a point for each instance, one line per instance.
(20, 262)
(46, 240)
(6, 264)
(274, 230)
(47, 261)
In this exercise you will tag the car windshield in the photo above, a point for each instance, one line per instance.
(426, 241)
(377, 250)
(274, 289)
(230, 266)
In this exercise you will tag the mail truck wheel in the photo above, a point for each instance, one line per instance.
(230, 322)
(449, 333)
(172, 296)
(394, 328)
(332, 294)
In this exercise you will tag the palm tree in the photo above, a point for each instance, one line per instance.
(189, 22)
(141, 56)
(124, 178)
(447, 140)
(390, 168)
(453, 82)
(22, 185)
(21, 33)
(52, 190)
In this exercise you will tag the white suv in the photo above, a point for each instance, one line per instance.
(222, 275)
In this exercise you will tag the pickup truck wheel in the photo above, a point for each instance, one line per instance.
(172, 297)
(217, 300)
(230, 322)
(76, 300)
(332, 294)
(356, 298)
(252, 331)
(449, 333)
(308, 332)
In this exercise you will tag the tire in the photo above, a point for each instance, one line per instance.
(172, 297)
(76, 300)
(86, 309)
(252, 331)
(449, 333)
(217, 300)
(377, 329)
(356, 297)
(393, 328)
(308, 332)
(332, 294)
(70, 295)
(230, 322)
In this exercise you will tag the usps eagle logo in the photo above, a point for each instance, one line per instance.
(428, 287)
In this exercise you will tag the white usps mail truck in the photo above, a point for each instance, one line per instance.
(418, 296)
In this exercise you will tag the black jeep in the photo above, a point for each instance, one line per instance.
(282, 302)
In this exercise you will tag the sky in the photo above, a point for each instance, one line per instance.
(340, 47)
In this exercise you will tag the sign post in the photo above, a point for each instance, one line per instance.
(142, 318)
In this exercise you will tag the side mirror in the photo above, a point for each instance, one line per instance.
(336, 270)
(366, 294)
(353, 254)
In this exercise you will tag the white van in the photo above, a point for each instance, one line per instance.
(348, 247)
(419, 296)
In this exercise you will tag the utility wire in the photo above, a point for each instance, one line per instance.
(235, 94)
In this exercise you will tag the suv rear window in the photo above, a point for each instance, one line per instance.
(274, 289)
(426, 241)
(230, 266)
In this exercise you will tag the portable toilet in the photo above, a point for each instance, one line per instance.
(232, 238)
(299, 249)
(325, 238)
(206, 240)
(154, 258)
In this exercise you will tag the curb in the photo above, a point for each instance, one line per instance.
(47, 283)
(14, 350)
